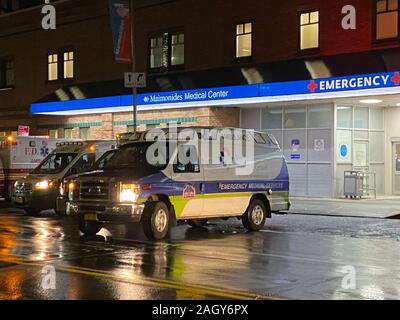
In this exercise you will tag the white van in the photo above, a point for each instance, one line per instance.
(38, 190)
(144, 182)
(19, 156)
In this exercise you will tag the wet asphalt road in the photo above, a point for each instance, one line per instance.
(294, 257)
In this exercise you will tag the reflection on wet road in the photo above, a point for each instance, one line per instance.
(295, 257)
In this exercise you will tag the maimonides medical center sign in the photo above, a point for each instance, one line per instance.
(323, 85)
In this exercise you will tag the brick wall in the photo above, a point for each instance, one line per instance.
(229, 117)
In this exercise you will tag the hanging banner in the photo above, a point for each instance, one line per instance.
(121, 30)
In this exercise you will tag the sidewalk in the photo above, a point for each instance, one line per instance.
(383, 208)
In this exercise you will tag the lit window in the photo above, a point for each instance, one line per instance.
(157, 59)
(84, 133)
(68, 65)
(387, 17)
(309, 30)
(60, 66)
(53, 133)
(166, 50)
(244, 40)
(67, 133)
(178, 49)
(52, 67)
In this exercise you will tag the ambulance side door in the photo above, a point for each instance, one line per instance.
(188, 184)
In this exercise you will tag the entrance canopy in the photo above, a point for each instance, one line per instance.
(354, 75)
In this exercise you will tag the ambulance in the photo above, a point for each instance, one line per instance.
(19, 156)
(39, 190)
(62, 203)
(192, 174)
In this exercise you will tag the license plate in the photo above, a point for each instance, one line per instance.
(19, 200)
(91, 217)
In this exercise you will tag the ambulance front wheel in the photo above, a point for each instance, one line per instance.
(90, 228)
(254, 218)
(156, 220)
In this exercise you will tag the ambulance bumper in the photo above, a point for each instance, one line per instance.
(36, 199)
(108, 213)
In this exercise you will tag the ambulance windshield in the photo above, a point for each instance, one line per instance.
(135, 156)
(55, 163)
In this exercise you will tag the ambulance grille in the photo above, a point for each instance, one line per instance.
(94, 190)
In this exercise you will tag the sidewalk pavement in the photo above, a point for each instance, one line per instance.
(384, 208)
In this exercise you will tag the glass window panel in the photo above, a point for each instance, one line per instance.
(361, 118)
(314, 17)
(68, 69)
(387, 25)
(381, 6)
(393, 4)
(344, 117)
(53, 133)
(309, 36)
(377, 146)
(304, 18)
(53, 72)
(271, 118)
(84, 133)
(239, 29)
(67, 133)
(343, 146)
(174, 39)
(178, 54)
(295, 118)
(376, 121)
(247, 28)
(181, 38)
(320, 117)
(244, 46)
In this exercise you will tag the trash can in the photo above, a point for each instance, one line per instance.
(353, 184)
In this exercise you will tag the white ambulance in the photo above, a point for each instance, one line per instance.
(39, 190)
(19, 156)
(192, 174)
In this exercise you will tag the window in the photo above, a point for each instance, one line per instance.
(52, 67)
(84, 133)
(68, 65)
(6, 73)
(67, 133)
(361, 118)
(271, 118)
(60, 66)
(187, 160)
(53, 133)
(178, 49)
(309, 30)
(167, 50)
(387, 19)
(244, 40)
(295, 117)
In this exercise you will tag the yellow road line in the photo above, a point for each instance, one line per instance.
(167, 284)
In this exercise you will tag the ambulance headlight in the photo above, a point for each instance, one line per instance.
(129, 192)
(42, 185)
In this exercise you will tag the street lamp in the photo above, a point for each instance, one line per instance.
(133, 57)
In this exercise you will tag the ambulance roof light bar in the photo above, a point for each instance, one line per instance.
(71, 143)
